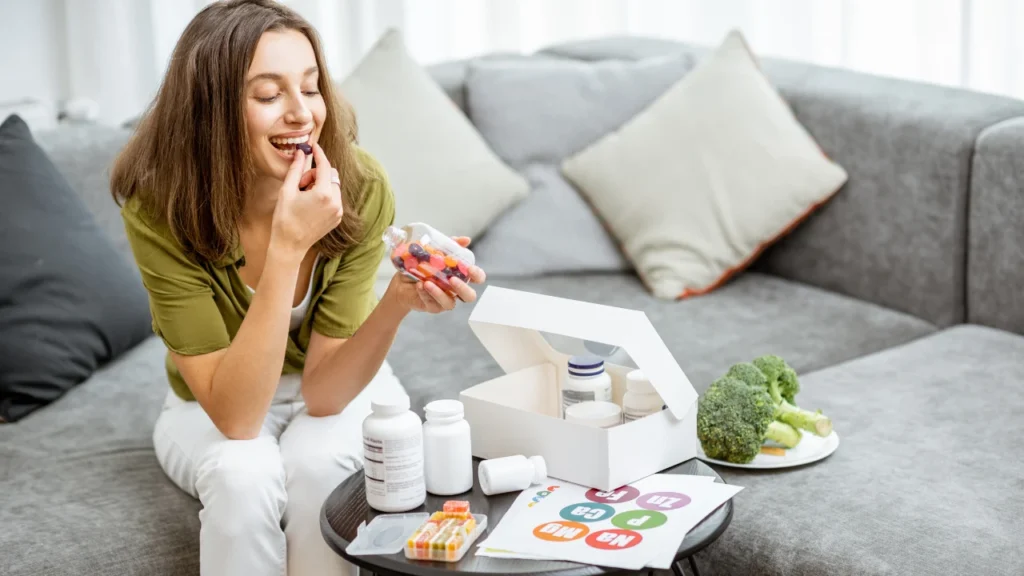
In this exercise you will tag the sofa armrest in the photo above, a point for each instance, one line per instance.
(995, 229)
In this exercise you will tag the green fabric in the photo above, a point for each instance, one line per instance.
(197, 307)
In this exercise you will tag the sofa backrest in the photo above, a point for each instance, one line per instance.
(84, 154)
(995, 229)
(896, 235)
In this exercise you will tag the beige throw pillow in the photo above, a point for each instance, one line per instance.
(442, 171)
(710, 174)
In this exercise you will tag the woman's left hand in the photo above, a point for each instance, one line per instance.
(428, 297)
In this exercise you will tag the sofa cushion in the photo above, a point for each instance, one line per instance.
(536, 112)
(82, 490)
(698, 184)
(995, 249)
(926, 479)
(753, 315)
(442, 171)
(897, 232)
(68, 302)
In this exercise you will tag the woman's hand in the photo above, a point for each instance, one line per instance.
(309, 205)
(427, 296)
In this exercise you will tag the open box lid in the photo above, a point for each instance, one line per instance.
(509, 324)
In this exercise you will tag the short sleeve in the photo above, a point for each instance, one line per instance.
(181, 302)
(349, 298)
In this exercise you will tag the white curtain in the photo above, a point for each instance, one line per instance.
(116, 50)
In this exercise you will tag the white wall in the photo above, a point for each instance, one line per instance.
(31, 64)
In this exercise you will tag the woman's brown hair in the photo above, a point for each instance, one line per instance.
(189, 159)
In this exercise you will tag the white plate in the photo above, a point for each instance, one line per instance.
(810, 449)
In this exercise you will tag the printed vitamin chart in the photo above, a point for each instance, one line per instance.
(636, 526)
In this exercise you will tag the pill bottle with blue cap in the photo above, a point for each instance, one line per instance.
(586, 381)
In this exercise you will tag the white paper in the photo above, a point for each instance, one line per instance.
(639, 525)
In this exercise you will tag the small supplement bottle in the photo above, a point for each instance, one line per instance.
(422, 252)
(597, 414)
(511, 473)
(586, 381)
(640, 399)
(447, 449)
(393, 455)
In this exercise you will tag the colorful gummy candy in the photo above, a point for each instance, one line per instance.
(443, 535)
(426, 263)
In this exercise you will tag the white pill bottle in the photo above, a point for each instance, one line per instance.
(640, 399)
(586, 381)
(447, 449)
(393, 455)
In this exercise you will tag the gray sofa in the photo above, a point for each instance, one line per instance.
(900, 303)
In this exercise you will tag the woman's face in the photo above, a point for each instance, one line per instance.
(283, 104)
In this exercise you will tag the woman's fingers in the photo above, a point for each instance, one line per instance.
(462, 240)
(466, 294)
(307, 179)
(323, 166)
(443, 300)
(477, 275)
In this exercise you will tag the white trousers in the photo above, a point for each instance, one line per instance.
(261, 498)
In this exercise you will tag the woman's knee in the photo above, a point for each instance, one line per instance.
(243, 481)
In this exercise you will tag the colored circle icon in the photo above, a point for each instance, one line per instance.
(562, 531)
(639, 520)
(614, 539)
(663, 501)
(617, 496)
(542, 494)
(587, 512)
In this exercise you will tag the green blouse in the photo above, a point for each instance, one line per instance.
(198, 306)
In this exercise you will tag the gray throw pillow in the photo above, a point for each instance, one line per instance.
(69, 304)
(533, 114)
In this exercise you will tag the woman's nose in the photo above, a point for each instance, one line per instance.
(298, 112)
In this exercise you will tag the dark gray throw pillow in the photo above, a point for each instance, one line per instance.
(69, 303)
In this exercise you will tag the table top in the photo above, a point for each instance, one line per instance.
(346, 508)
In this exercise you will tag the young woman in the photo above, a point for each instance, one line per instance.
(260, 270)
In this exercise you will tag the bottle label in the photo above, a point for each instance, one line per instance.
(570, 397)
(394, 468)
(629, 413)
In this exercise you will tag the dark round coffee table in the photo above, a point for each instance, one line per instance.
(346, 508)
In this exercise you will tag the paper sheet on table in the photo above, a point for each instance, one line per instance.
(634, 527)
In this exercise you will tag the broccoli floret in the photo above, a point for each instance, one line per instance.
(734, 419)
(782, 387)
(750, 374)
(777, 370)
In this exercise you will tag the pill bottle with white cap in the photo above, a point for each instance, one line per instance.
(597, 414)
(511, 473)
(586, 381)
(447, 449)
(393, 455)
(640, 399)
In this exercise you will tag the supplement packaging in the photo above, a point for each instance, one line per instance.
(586, 381)
(640, 399)
(423, 253)
(447, 449)
(446, 535)
(595, 413)
(393, 455)
(511, 473)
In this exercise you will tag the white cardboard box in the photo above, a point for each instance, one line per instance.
(520, 412)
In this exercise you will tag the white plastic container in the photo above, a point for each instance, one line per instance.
(511, 473)
(422, 252)
(447, 449)
(597, 414)
(586, 381)
(640, 399)
(393, 455)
